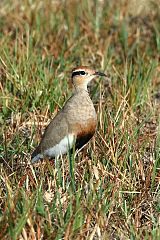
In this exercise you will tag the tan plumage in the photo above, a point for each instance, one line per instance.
(75, 123)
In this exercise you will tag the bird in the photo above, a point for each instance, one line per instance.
(75, 124)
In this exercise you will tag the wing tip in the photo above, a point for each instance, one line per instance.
(36, 158)
(36, 155)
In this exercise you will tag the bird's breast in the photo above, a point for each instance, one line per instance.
(81, 118)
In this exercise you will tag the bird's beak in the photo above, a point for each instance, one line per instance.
(100, 74)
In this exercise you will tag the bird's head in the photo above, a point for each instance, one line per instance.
(82, 75)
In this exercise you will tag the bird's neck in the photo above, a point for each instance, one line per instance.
(80, 89)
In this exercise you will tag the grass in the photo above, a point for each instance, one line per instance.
(110, 190)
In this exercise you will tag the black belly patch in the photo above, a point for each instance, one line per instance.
(82, 139)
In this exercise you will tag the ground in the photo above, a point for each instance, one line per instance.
(111, 189)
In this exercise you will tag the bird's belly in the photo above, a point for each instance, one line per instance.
(61, 148)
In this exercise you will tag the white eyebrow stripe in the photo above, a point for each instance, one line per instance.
(79, 70)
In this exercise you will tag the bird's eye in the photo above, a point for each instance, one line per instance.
(78, 73)
(82, 73)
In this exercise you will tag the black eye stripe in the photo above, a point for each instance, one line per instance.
(77, 73)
